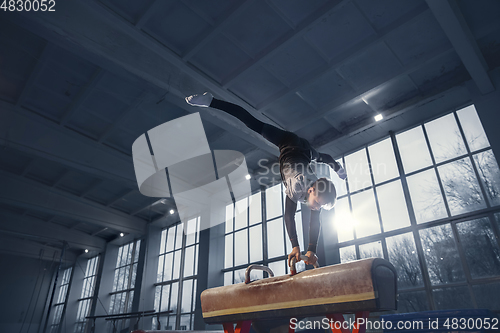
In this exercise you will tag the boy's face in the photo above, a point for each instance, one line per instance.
(313, 201)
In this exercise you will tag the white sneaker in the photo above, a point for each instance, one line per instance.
(200, 100)
(341, 172)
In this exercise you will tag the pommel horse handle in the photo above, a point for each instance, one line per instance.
(259, 267)
(293, 270)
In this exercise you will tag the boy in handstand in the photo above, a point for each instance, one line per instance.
(300, 182)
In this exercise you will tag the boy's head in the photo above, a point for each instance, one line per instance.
(321, 194)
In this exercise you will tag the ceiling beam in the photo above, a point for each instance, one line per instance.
(372, 86)
(61, 178)
(158, 65)
(455, 27)
(40, 65)
(11, 222)
(335, 63)
(216, 136)
(81, 96)
(21, 192)
(99, 231)
(321, 13)
(148, 12)
(120, 197)
(19, 247)
(76, 225)
(92, 187)
(232, 13)
(30, 166)
(123, 116)
(140, 209)
(201, 13)
(36, 136)
(418, 108)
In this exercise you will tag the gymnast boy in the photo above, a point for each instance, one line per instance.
(301, 184)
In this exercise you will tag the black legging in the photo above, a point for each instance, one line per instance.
(277, 137)
(269, 132)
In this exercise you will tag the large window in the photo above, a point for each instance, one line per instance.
(427, 200)
(124, 281)
(85, 301)
(60, 303)
(176, 279)
(256, 234)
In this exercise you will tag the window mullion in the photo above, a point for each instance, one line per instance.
(350, 209)
(264, 226)
(181, 275)
(248, 229)
(440, 183)
(384, 247)
(465, 266)
(494, 225)
(474, 167)
(404, 181)
(413, 222)
(283, 226)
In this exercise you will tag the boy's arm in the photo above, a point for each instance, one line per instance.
(325, 158)
(290, 209)
(314, 226)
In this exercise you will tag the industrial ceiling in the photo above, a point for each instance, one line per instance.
(79, 84)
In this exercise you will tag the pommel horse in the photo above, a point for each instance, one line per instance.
(355, 287)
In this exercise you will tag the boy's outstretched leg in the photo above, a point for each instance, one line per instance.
(269, 132)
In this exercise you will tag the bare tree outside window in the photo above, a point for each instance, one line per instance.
(480, 246)
(441, 255)
(460, 185)
(483, 292)
(371, 250)
(426, 196)
(461, 188)
(347, 254)
(489, 175)
(452, 298)
(403, 255)
(413, 302)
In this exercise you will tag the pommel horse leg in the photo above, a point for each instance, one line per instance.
(241, 327)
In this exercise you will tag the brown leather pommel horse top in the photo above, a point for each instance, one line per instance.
(363, 285)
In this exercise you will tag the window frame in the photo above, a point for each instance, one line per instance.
(416, 228)
(181, 278)
(266, 261)
(58, 316)
(80, 325)
(128, 291)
